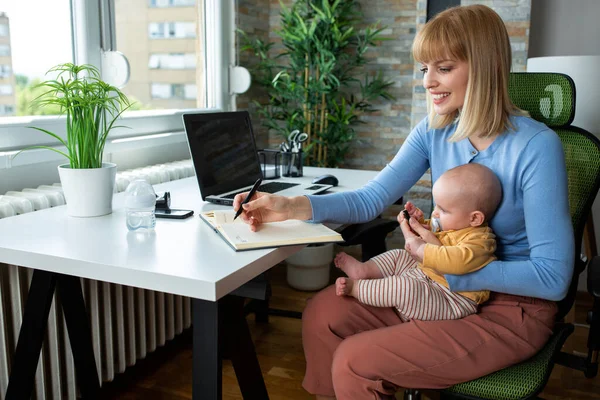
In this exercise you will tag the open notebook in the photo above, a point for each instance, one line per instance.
(274, 234)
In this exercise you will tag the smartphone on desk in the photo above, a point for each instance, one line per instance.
(173, 213)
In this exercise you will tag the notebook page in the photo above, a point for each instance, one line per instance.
(226, 217)
(292, 231)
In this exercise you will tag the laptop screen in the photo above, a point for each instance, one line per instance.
(223, 151)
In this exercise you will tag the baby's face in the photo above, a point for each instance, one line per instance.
(452, 210)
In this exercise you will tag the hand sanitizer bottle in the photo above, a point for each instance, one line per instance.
(140, 202)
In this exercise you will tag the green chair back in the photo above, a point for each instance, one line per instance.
(549, 98)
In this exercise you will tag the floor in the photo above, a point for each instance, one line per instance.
(166, 373)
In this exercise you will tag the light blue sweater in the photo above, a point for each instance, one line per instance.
(532, 225)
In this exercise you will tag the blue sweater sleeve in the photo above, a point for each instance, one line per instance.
(548, 271)
(366, 203)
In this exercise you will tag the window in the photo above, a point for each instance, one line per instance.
(6, 90)
(161, 90)
(182, 3)
(4, 71)
(177, 30)
(32, 55)
(156, 30)
(118, 28)
(172, 61)
(174, 91)
(171, 3)
(190, 91)
(6, 110)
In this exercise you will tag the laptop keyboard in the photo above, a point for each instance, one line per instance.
(270, 187)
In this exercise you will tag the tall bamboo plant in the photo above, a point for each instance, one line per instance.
(91, 107)
(318, 82)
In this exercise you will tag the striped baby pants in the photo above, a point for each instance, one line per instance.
(416, 296)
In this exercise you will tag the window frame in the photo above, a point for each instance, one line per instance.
(93, 33)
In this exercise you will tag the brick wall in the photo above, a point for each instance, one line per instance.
(384, 131)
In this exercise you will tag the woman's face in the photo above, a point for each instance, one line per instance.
(446, 81)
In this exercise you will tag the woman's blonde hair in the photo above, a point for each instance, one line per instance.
(476, 35)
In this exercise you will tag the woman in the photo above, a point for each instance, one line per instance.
(354, 351)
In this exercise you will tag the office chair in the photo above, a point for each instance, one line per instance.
(550, 98)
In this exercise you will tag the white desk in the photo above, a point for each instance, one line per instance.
(182, 257)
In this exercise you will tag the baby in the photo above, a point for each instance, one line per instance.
(465, 197)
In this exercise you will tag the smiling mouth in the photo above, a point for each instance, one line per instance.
(440, 96)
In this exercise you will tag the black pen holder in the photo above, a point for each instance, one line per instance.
(291, 163)
(270, 162)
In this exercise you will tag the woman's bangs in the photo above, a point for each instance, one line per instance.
(434, 43)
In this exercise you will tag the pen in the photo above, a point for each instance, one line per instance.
(247, 199)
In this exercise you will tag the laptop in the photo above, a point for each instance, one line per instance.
(225, 158)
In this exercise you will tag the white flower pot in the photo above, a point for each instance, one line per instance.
(309, 268)
(88, 191)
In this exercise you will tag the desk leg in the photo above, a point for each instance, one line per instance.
(240, 349)
(31, 335)
(224, 319)
(33, 330)
(206, 365)
(80, 335)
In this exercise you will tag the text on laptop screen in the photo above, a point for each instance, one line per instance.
(223, 151)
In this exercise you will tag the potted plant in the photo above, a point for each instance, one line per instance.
(91, 107)
(317, 83)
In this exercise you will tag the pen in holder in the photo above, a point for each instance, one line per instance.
(270, 161)
(291, 163)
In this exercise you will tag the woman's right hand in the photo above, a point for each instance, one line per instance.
(265, 207)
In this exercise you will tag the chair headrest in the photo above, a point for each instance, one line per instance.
(548, 97)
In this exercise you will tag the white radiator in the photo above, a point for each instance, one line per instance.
(126, 322)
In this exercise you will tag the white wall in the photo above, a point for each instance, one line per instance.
(564, 28)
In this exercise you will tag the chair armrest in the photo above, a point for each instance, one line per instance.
(360, 233)
(593, 278)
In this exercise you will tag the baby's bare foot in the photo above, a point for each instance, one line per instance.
(344, 286)
(351, 266)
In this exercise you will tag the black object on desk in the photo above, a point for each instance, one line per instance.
(270, 163)
(291, 163)
(173, 213)
(327, 179)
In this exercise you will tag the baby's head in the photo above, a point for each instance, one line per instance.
(465, 196)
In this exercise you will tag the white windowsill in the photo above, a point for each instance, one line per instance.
(36, 156)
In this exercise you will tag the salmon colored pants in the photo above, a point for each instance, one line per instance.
(356, 351)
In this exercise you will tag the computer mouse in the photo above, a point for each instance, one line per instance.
(326, 179)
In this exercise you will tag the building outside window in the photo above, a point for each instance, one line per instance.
(4, 71)
(171, 52)
(172, 61)
(171, 3)
(173, 91)
(171, 30)
(6, 90)
(6, 110)
(182, 3)
(129, 27)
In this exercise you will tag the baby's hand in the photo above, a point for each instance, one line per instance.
(414, 211)
(411, 211)
(416, 248)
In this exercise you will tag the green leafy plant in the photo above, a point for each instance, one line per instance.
(318, 83)
(91, 107)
